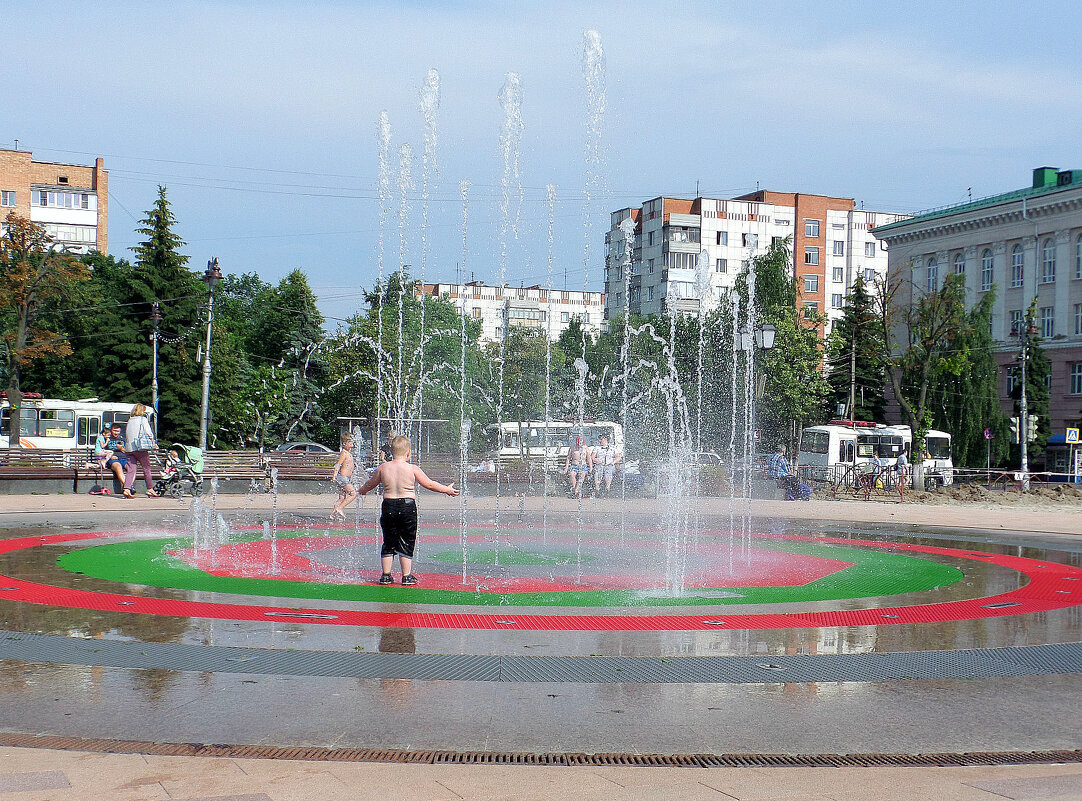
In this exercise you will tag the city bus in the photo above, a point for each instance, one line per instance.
(537, 440)
(50, 424)
(828, 449)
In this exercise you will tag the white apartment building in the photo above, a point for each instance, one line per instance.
(1023, 245)
(529, 307)
(830, 240)
(71, 201)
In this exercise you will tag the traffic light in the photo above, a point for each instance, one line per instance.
(1014, 431)
(1031, 428)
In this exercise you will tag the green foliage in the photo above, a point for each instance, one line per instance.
(856, 337)
(1038, 370)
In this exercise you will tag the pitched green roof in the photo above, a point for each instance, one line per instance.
(994, 200)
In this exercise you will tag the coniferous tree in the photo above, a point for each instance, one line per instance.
(159, 274)
(1038, 370)
(857, 337)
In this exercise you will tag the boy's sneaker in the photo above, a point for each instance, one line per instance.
(409, 580)
(387, 578)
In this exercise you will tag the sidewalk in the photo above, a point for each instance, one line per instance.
(41, 775)
(1052, 519)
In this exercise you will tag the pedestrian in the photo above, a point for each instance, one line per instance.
(606, 458)
(577, 466)
(398, 513)
(139, 442)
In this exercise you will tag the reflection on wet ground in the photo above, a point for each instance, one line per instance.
(1010, 713)
(979, 579)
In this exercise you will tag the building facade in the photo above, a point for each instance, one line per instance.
(830, 241)
(548, 310)
(1024, 245)
(70, 200)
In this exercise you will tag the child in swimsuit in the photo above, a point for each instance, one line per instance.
(398, 514)
(341, 475)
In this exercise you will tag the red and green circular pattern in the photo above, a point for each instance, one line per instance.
(566, 572)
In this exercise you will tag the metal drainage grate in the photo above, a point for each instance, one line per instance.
(400, 756)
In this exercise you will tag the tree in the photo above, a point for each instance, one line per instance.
(855, 348)
(922, 343)
(964, 397)
(33, 276)
(159, 274)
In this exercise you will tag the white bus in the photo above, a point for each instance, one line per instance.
(826, 449)
(536, 440)
(50, 424)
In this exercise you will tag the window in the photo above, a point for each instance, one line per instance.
(477, 312)
(565, 317)
(682, 261)
(749, 240)
(837, 300)
(838, 274)
(1018, 266)
(811, 255)
(721, 266)
(811, 308)
(1076, 379)
(1078, 318)
(7, 198)
(63, 200)
(1012, 380)
(839, 247)
(650, 264)
(649, 293)
(723, 237)
(650, 238)
(1078, 257)
(986, 270)
(811, 283)
(1048, 322)
(959, 264)
(1016, 321)
(1048, 262)
(775, 241)
(933, 275)
(869, 249)
(811, 228)
(499, 332)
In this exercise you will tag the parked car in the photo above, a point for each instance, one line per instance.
(307, 447)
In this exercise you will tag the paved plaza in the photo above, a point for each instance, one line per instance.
(569, 646)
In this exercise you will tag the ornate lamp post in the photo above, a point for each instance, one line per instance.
(211, 278)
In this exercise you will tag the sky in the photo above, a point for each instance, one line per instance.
(261, 119)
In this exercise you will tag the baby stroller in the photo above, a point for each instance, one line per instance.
(183, 472)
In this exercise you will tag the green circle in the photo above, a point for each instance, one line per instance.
(874, 573)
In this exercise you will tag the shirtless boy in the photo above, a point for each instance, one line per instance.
(580, 462)
(341, 475)
(398, 515)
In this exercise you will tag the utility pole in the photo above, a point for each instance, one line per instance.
(211, 278)
(155, 321)
(853, 374)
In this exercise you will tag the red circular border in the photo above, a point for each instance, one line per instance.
(1051, 586)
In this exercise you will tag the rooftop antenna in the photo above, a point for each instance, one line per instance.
(696, 187)
(16, 145)
(756, 186)
(970, 192)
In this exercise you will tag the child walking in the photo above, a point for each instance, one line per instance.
(341, 475)
(398, 514)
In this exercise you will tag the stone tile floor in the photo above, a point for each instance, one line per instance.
(43, 775)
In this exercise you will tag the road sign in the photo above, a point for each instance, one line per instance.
(987, 433)
(1072, 436)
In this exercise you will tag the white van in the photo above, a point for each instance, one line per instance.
(550, 441)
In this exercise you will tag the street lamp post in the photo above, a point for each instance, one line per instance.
(1023, 331)
(211, 278)
(155, 321)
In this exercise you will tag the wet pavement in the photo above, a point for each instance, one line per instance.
(955, 712)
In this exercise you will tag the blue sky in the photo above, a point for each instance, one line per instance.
(261, 118)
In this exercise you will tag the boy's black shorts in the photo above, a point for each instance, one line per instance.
(398, 519)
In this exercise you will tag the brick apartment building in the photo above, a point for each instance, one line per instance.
(831, 244)
(70, 200)
(497, 308)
